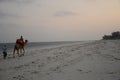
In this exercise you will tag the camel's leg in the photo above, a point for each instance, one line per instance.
(18, 52)
(23, 51)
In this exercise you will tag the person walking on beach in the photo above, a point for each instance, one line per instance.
(4, 51)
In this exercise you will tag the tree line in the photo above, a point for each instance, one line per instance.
(113, 36)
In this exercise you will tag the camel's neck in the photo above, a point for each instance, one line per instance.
(25, 42)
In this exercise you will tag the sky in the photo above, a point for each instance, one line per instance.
(58, 20)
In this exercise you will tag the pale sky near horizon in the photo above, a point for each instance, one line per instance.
(58, 20)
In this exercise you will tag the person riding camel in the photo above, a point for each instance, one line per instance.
(20, 41)
(19, 46)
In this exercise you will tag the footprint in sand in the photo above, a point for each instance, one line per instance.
(34, 72)
(80, 70)
(19, 77)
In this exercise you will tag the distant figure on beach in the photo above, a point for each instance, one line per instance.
(19, 46)
(4, 51)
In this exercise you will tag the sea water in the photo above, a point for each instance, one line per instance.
(10, 46)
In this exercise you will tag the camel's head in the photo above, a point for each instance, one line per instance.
(26, 41)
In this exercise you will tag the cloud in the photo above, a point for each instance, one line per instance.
(15, 8)
(10, 25)
(9, 15)
(17, 1)
(64, 13)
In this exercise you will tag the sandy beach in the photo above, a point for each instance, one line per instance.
(90, 60)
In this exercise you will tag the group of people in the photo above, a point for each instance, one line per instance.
(4, 48)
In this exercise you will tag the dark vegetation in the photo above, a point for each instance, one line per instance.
(113, 36)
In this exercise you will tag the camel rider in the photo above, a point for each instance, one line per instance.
(20, 41)
(21, 38)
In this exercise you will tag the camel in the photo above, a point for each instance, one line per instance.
(19, 46)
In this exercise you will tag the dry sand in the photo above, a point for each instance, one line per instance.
(94, 60)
